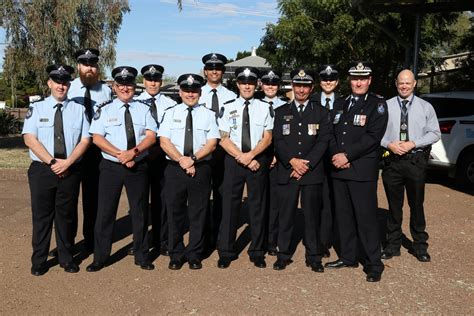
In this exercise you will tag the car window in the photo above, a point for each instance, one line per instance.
(447, 107)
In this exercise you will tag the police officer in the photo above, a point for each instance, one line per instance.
(124, 130)
(359, 123)
(188, 135)
(56, 132)
(89, 91)
(270, 84)
(246, 131)
(213, 96)
(328, 81)
(301, 134)
(158, 103)
(412, 128)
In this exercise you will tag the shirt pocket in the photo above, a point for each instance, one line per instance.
(45, 128)
(112, 127)
(139, 126)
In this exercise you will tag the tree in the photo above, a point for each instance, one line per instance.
(41, 32)
(314, 32)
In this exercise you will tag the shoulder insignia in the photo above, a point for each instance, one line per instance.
(104, 104)
(29, 113)
(264, 101)
(97, 114)
(146, 102)
(170, 107)
(36, 101)
(221, 112)
(272, 112)
(285, 99)
(230, 101)
(348, 97)
(381, 108)
(378, 96)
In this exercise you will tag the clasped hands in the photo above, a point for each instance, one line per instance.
(187, 164)
(401, 147)
(60, 168)
(340, 161)
(126, 157)
(299, 166)
(247, 160)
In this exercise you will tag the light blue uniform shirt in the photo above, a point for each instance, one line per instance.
(110, 123)
(277, 102)
(40, 122)
(204, 127)
(323, 100)
(223, 95)
(100, 93)
(260, 120)
(162, 103)
(423, 126)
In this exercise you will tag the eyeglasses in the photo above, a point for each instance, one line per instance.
(126, 86)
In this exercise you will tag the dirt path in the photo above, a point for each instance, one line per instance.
(446, 285)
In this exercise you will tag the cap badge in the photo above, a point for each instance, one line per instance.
(152, 70)
(214, 57)
(271, 74)
(360, 66)
(88, 52)
(124, 73)
(246, 72)
(61, 69)
(301, 73)
(328, 70)
(190, 80)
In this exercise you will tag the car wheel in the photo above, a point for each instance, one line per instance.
(465, 169)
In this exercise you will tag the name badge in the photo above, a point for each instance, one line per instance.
(233, 112)
(44, 119)
(286, 129)
(288, 117)
(177, 121)
(113, 119)
(313, 129)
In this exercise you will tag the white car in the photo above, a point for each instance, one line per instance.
(455, 150)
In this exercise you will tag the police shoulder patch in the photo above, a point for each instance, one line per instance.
(381, 108)
(29, 113)
(230, 101)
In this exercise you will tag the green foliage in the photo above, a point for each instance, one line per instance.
(8, 123)
(41, 32)
(314, 32)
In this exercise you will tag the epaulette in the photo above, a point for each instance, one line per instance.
(41, 99)
(142, 101)
(348, 97)
(104, 104)
(170, 107)
(285, 99)
(229, 101)
(263, 100)
(204, 106)
(376, 95)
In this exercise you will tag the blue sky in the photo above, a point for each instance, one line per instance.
(156, 32)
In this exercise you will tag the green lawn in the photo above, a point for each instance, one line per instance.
(14, 158)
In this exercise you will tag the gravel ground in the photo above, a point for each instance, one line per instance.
(444, 286)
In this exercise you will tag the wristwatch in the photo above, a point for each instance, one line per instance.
(194, 158)
(52, 162)
(136, 151)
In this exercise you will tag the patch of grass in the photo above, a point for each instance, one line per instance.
(14, 158)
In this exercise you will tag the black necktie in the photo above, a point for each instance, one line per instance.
(88, 104)
(300, 110)
(271, 103)
(188, 134)
(59, 142)
(215, 102)
(328, 103)
(129, 128)
(404, 121)
(246, 145)
(154, 112)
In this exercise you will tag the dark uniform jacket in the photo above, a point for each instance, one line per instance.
(304, 138)
(358, 134)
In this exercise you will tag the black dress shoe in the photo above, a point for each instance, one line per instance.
(281, 264)
(145, 265)
(223, 263)
(53, 253)
(316, 266)
(259, 262)
(387, 254)
(372, 277)
(70, 267)
(39, 269)
(423, 257)
(272, 251)
(176, 264)
(130, 251)
(340, 264)
(95, 266)
(195, 264)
